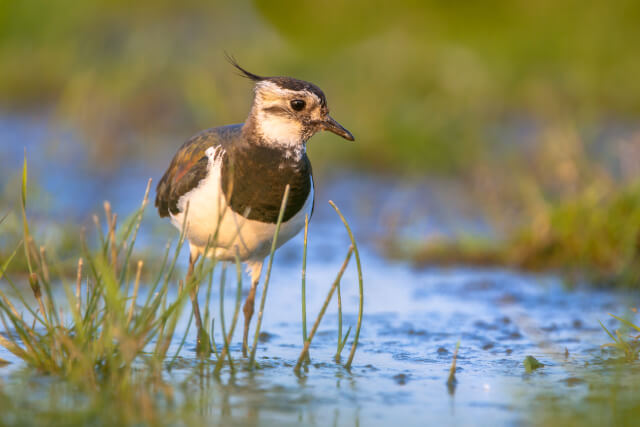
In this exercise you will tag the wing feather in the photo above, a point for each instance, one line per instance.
(190, 166)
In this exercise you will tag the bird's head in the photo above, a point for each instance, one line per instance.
(288, 111)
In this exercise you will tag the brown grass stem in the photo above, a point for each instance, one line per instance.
(452, 372)
(136, 286)
(78, 285)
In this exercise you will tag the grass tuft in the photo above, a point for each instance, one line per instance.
(629, 346)
(94, 339)
(101, 334)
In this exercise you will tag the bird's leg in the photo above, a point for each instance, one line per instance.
(194, 292)
(248, 313)
(255, 270)
(203, 346)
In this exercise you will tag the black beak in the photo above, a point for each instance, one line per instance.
(332, 126)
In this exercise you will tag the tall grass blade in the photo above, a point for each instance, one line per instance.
(342, 343)
(135, 224)
(360, 286)
(182, 341)
(207, 299)
(608, 332)
(625, 322)
(226, 350)
(136, 286)
(304, 279)
(252, 357)
(25, 223)
(7, 262)
(307, 344)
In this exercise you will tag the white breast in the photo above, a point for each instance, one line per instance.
(208, 212)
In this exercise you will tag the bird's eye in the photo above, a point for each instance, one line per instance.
(298, 104)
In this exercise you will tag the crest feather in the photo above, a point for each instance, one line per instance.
(242, 71)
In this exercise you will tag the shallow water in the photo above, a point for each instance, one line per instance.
(413, 318)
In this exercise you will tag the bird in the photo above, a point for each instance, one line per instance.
(230, 180)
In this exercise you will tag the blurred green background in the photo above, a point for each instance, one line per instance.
(532, 106)
(426, 86)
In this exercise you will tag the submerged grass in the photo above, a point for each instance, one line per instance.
(451, 379)
(609, 391)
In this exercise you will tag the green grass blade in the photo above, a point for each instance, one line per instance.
(225, 350)
(451, 380)
(274, 242)
(307, 344)
(6, 264)
(135, 224)
(360, 286)
(625, 322)
(25, 223)
(225, 338)
(608, 333)
(304, 279)
(207, 299)
(342, 344)
(182, 341)
(24, 303)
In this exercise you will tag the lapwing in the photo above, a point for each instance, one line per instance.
(230, 180)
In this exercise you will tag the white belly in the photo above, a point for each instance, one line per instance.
(211, 222)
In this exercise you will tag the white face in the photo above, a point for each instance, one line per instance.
(279, 129)
(286, 117)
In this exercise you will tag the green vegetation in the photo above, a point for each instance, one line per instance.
(629, 347)
(593, 236)
(531, 364)
(96, 338)
(104, 341)
(552, 207)
(425, 86)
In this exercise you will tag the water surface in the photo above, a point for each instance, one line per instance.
(413, 318)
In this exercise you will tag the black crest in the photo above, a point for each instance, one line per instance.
(243, 72)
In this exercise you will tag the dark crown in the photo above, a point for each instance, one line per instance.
(283, 82)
